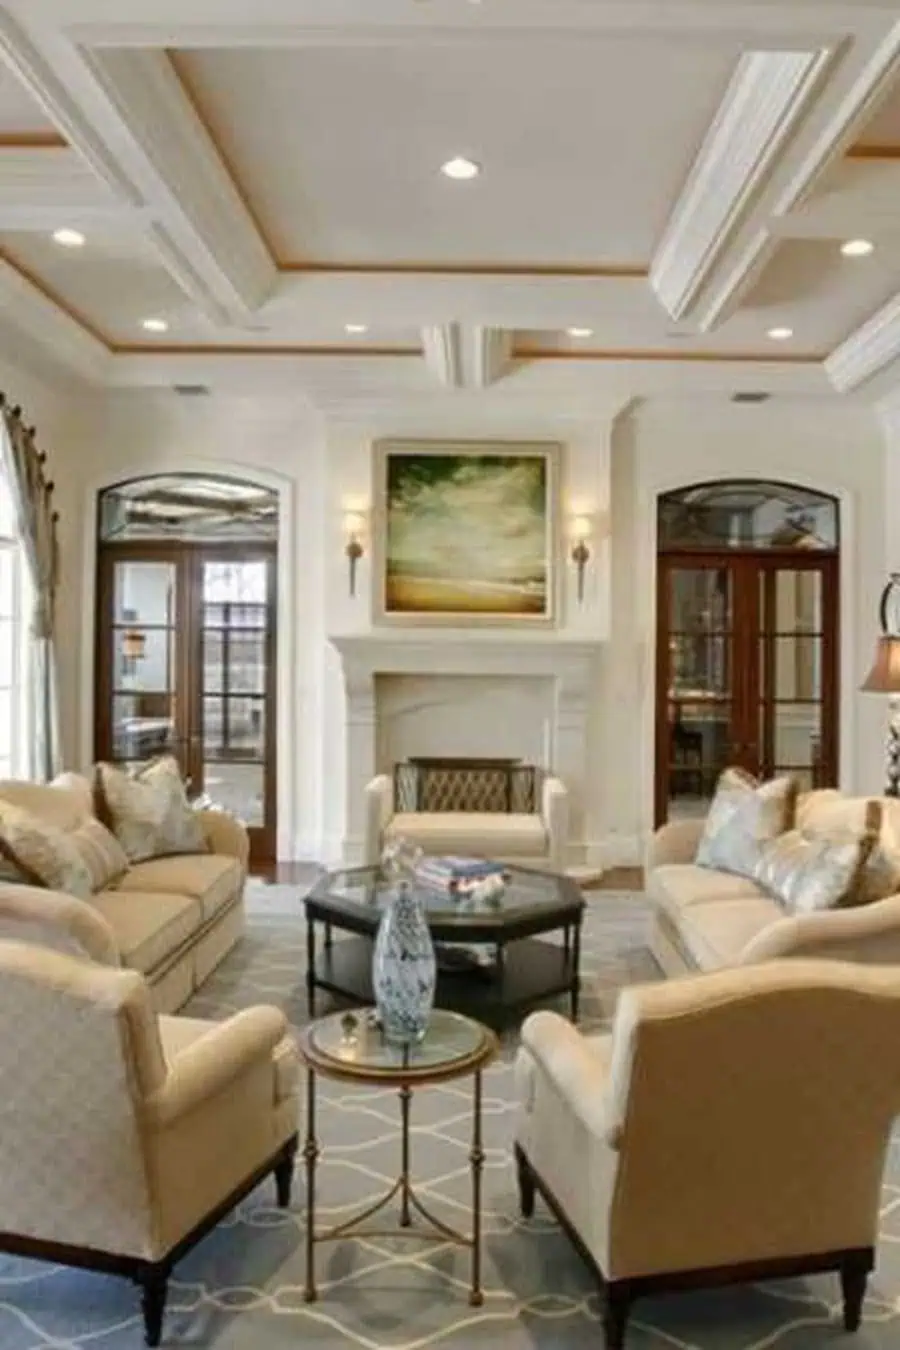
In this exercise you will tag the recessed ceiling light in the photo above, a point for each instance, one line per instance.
(356, 328)
(580, 332)
(69, 238)
(857, 248)
(460, 168)
(155, 325)
(780, 334)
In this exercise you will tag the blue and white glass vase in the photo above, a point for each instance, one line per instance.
(404, 970)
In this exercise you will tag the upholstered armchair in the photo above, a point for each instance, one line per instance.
(125, 1137)
(732, 1127)
(531, 839)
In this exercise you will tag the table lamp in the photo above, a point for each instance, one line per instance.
(884, 677)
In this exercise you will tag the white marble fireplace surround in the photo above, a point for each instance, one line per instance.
(394, 680)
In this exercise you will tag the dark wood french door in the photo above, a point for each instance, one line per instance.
(186, 665)
(746, 671)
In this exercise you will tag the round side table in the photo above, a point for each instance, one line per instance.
(349, 1046)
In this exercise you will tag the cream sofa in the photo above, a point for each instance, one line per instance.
(172, 919)
(538, 839)
(126, 1136)
(705, 920)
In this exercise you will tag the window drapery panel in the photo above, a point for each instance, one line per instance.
(24, 468)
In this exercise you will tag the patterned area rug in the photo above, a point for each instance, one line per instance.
(241, 1289)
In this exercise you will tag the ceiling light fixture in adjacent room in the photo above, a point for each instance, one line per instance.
(580, 332)
(780, 334)
(460, 168)
(857, 248)
(155, 325)
(67, 238)
(356, 328)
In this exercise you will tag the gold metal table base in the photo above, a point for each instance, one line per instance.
(402, 1187)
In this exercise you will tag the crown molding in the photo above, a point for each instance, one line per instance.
(39, 188)
(55, 331)
(867, 351)
(765, 100)
(126, 113)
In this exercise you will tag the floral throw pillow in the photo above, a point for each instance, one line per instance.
(745, 815)
(41, 854)
(148, 810)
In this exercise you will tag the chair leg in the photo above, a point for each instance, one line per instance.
(616, 1307)
(853, 1287)
(526, 1183)
(154, 1282)
(284, 1174)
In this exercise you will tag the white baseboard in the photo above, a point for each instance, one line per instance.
(616, 850)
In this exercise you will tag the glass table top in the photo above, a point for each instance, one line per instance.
(353, 1043)
(369, 890)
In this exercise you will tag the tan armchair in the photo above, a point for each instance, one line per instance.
(125, 1137)
(732, 1127)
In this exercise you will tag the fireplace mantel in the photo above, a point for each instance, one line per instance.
(569, 665)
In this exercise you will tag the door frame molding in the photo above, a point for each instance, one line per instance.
(288, 825)
(646, 543)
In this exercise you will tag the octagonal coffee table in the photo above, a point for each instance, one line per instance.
(493, 957)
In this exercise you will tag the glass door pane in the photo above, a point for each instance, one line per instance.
(699, 606)
(144, 657)
(235, 620)
(792, 662)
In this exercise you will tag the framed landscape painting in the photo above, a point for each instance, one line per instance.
(465, 532)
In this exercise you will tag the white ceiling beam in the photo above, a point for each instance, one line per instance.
(867, 351)
(467, 357)
(57, 333)
(767, 96)
(128, 115)
(442, 348)
(41, 189)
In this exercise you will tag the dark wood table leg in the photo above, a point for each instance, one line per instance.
(310, 1156)
(328, 941)
(476, 1159)
(575, 987)
(310, 967)
(405, 1095)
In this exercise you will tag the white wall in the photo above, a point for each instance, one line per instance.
(324, 467)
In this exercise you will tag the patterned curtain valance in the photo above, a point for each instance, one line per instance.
(25, 469)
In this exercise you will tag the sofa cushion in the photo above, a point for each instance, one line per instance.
(827, 813)
(210, 878)
(677, 885)
(744, 815)
(65, 803)
(101, 853)
(148, 810)
(494, 833)
(716, 934)
(148, 927)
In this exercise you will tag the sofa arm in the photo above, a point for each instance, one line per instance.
(209, 1065)
(577, 1072)
(226, 835)
(379, 798)
(54, 919)
(674, 843)
(555, 815)
(866, 933)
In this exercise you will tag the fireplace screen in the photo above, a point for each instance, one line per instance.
(454, 784)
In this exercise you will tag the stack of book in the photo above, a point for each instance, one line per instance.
(460, 875)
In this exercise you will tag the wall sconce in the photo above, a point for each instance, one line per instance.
(354, 526)
(134, 648)
(581, 554)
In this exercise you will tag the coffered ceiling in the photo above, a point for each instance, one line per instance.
(662, 188)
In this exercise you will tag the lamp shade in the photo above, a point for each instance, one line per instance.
(884, 677)
(134, 644)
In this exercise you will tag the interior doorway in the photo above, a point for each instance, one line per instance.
(186, 638)
(747, 639)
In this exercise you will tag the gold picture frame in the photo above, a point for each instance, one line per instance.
(466, 532)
